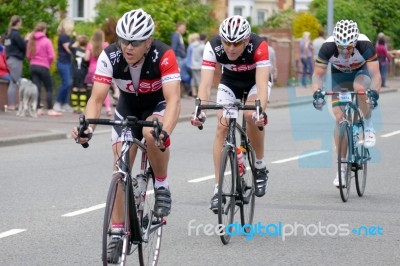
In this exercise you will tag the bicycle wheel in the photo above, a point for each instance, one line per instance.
(119, 238)
(152, 227)
(247, 191)
(344, 162)
(362, 157)
(226, 193)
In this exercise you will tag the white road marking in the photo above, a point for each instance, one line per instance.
(93, 208)
(300, 157)
(11, 232)
(391, 134)
(201, 179)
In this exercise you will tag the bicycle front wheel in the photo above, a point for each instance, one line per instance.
(116, 242)
(226, 193)
(362, 158)
(247, 190)
(344, 164)
(152, 227)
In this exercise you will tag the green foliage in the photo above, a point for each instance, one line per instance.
(304, 21)
(165, 13)
(282, 19)
(31, 12)
(371, 16)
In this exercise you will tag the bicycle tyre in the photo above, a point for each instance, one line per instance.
(344, 137)
(226, 193)
(149, 252)
(247, 190)
(117, 180)
(362, 157)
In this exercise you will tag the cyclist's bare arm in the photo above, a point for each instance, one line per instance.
(207, 78)
(318, 76)
(96, 100)
(374, 73)
(262, 76)
(171, 91)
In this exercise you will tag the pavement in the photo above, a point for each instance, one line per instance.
(17, 130)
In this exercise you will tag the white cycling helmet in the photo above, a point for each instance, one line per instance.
(234, 29)
(345, 33)
(135, 25)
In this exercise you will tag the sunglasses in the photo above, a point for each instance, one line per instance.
(235, 44)
(133, 43)
(348, 48)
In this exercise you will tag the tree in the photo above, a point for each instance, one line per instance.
(165, 13)
(31, 12)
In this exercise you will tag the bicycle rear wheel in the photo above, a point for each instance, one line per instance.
(362, 157)
(344, 162)
(120, 238)
(152, 227)
(226, 193)
(247, 190)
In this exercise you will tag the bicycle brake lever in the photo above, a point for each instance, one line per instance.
(258, 111)
(81, 128)
(197, 111)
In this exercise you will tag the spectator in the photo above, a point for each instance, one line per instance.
(79, 71)
(383, 58)
(4, 72)
(305, 54)
(177, 44)
(186, 71)
(196, 62)
(93, 51)
(317, 43)
(64, 31)
(15, 51)
(40, 53)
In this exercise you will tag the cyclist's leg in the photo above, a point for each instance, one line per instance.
(363, 81)
(159, 163)
(257, 140)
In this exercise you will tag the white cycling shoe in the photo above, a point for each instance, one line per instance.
(336, 180)
(370, 138)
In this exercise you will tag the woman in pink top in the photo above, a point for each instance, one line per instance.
(93, 51)
(40, 53)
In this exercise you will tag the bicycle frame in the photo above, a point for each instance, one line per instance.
(136, 230)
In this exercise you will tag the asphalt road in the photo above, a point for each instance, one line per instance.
(43, 184)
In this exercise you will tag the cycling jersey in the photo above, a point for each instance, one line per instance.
(238, 74)
(363, 52)
(140, 85)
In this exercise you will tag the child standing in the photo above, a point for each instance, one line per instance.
(79, 70)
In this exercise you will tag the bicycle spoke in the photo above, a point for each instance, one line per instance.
(344, 162)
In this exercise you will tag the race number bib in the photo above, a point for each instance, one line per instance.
(344, 97)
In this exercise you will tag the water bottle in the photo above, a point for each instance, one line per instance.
(140, 188)
(241, 153)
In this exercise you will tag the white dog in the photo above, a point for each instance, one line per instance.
(28, 97)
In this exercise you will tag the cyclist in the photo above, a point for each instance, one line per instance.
(244, 58)
(146, 72)
(354, 65)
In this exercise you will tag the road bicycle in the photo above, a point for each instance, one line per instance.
(142, 231)
(235, 192)
(351, 139)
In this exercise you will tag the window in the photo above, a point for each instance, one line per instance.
(78, 8)
(237, 10)
(260, 17)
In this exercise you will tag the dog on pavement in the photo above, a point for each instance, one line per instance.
(28, 98)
